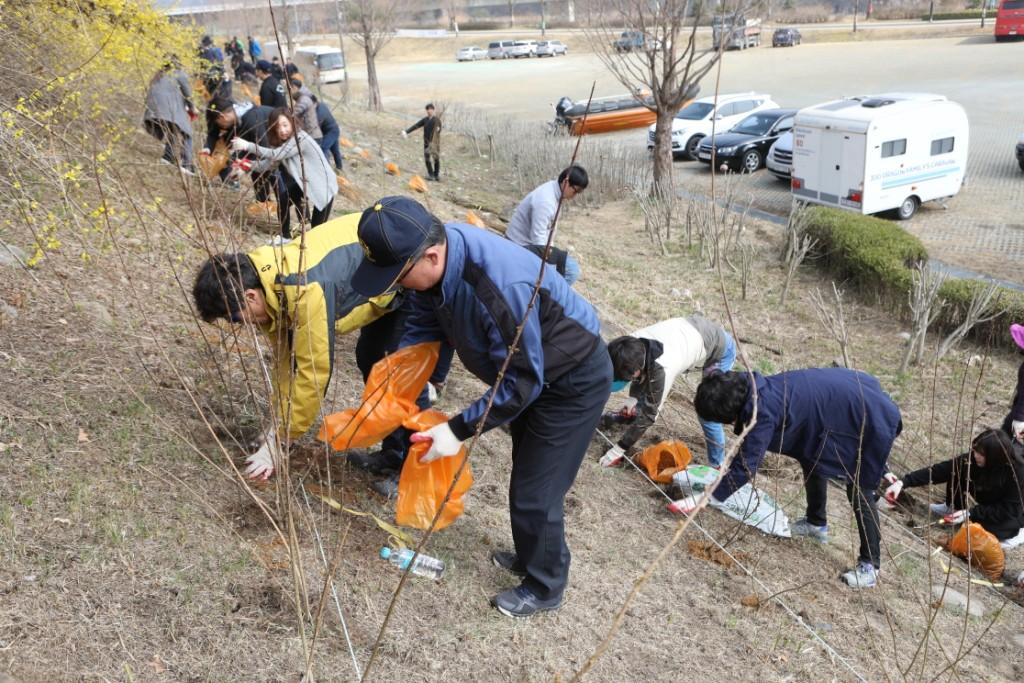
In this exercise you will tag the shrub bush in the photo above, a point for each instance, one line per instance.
(965, 14)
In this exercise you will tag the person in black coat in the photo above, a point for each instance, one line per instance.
(431, 126)
(1014, 422)
(272, 92)
(332, 133)
(250, 123)
(992, 473)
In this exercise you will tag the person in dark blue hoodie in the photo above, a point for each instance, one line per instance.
(837, 423)
(473, 289)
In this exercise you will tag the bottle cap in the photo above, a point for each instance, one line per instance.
(385, 552)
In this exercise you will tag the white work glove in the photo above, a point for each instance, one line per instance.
(957, 517)
(629, 408)
(205, 151)
(404, 135)
(443, 444)
(683, 506)
(1018, 430)
(261, 463)
(239, 145)
(612, 457)
(431, 393)
(893, 492)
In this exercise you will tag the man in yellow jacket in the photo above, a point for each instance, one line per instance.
(300, 299)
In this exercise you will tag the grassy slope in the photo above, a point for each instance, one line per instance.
(127, 556)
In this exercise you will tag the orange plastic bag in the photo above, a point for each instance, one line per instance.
(364, 153)
(980, 548)
(213, 163)
(392, 168)
(416, 183)
(388, 398)
(345, 142)
(422, 486)
(473, 219)
(664, 459)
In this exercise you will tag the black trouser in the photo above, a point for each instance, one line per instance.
(264, 185)
(177, 143)
(549, 440)
(288, 193)
(433, 162)
(864, 502)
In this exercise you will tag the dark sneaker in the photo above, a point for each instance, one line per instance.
(377, 462)
(503, 559)
(520, 602)
(387, 487)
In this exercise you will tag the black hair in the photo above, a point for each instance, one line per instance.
(721, 396)
(296, 83)
(628, 355)
(577, 176)
(430, 105)
(1002, 459)
(291, 69)
(220, 104)
(219, 289)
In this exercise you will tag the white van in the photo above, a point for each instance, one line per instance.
(500, 49)
(880, 153)
(694, 121)
(320, 64)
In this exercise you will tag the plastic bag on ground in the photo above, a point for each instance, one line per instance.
(416, 183)
(694, 479)
(474, 219)
(755, 508)
(388, 399)
(980, 548)
(391, 168)
(345, 142)
(422, 486)
(213, 163)
(662, 460)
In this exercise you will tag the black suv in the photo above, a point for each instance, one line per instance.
(745, 146)
(785, 37)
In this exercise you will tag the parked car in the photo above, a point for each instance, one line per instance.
(500, 49)
(745, 146)
(470, 54)
(780, 157)
(693, 122)
(523, 48)
(1020, 151)
(786, 37)
(635, 40)
(551, 48)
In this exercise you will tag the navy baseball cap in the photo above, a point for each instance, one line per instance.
(391, 233)
(264, 65)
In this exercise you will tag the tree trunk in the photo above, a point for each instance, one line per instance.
(663, 152)
(374, 103)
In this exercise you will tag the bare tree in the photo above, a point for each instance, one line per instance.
(980, 310)
(374, 22)
(662, 65)
(833, 319)
(796, 248)
(925, 307)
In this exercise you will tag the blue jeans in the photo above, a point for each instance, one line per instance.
(714, 433)
(329, 146)
(572, 269)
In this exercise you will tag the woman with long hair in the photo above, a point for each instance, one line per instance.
(306, 179)
(991, 473)
(169, 114)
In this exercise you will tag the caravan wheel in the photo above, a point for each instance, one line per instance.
(908, 208)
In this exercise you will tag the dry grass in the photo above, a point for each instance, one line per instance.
(126, 555)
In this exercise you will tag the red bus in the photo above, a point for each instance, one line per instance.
(1010, 20)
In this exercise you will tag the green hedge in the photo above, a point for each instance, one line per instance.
(878, 256)
(965, 14)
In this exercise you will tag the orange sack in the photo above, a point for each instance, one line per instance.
(980, 548)
(389, 397)
(416, 183)
(664, 459)
(473, 219)
(422, 486)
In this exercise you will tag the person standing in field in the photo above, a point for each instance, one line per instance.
(169, 115)
(431, 126)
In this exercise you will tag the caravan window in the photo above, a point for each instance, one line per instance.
(942, 146)
(894, 148)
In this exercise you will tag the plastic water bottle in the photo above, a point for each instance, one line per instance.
(425, 565)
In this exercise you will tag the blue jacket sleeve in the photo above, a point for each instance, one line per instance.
(748, 460)
(421, 325)
(524, 377)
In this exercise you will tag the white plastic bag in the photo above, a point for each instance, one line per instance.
(755, 508)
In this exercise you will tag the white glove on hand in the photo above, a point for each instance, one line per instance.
(893, 492)
(629, 408)
(239, 145)
(404, 135)
(613, 457)
(431, 393)
(956, 517)
(683, 506)
(1018, 430)
(444, 444)
(261, 463)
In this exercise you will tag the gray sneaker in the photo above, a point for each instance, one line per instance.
(864, 575)
(802, 527)
(387, 487)
(939, 509)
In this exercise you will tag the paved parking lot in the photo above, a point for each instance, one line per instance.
(982, 229)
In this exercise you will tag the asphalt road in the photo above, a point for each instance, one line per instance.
(982, 228)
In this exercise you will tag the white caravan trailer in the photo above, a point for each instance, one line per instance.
(880, 153)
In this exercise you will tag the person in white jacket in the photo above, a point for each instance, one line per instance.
(649, 360)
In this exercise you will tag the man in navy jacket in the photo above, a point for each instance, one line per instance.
(837, 423)
(473, 289)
